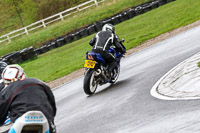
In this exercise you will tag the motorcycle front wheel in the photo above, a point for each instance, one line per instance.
(90, 83)
(114, 79)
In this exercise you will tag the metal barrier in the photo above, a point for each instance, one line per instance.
(43, 23)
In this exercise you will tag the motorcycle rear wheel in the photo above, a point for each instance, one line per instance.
(90, 84)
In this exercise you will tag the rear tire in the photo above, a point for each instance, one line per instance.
(90, 84)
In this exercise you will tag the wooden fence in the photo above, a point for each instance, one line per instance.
(44, 22)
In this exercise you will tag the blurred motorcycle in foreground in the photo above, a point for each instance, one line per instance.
(30, 122)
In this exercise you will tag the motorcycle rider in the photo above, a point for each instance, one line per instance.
(23, 94)
(102, 42)
(2, 67)
(2, 85)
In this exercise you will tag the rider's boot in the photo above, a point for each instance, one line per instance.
(104, 75)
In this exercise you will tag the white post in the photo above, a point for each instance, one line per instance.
(78, 8)
(96, 3)
(43, 24)
(26, 30)
(61, 17)
(8, 38)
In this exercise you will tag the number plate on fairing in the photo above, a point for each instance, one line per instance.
(89, 63)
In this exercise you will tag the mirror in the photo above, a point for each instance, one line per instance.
(123, 40)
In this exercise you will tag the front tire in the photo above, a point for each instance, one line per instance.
(90, 83)
(114, 79)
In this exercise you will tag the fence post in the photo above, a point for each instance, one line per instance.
(26, 30)
(43, 24)
(8, 38)
(61, 17)
(96, 3)
(78, 8)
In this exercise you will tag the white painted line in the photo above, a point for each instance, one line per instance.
(155, 89)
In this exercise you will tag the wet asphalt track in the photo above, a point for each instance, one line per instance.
(127, 106)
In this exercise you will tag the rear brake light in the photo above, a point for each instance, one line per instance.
(90, 57)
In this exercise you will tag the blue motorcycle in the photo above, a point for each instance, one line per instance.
(97, 71)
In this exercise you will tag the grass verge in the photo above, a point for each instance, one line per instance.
(66, 59)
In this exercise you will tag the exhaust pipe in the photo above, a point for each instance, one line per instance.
(98, 72)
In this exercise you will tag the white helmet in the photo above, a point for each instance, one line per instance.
(108, 27)
(13, 73)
